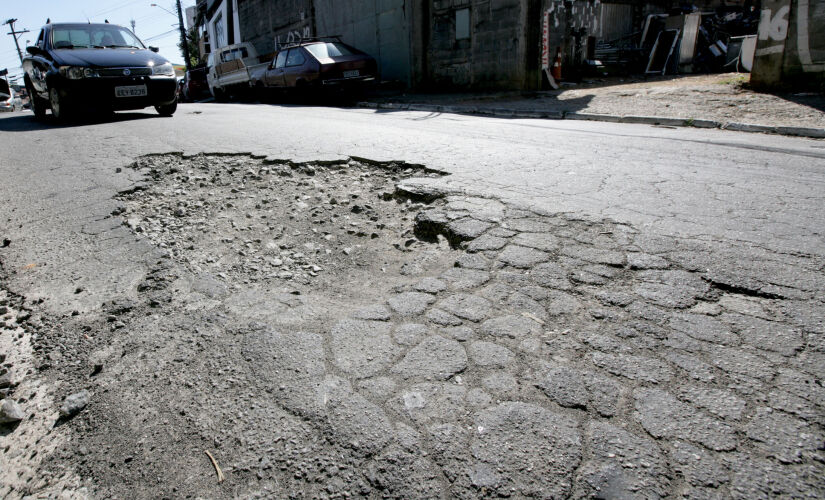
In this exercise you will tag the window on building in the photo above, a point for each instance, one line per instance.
(295, 57)
(220, 32)
(462, 24)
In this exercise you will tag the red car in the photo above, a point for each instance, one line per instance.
(194, 85)
(318, 65)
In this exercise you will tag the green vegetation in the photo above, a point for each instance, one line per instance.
(742, 79)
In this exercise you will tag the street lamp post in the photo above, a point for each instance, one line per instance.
(184, 43)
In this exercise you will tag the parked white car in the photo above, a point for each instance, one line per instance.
(230, 68)
(9, 101)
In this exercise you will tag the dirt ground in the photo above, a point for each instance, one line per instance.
(724, 98)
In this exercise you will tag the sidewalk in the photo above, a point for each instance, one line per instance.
(708, 101)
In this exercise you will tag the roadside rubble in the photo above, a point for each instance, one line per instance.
(685, 41)
(10, 412)
(74, 403)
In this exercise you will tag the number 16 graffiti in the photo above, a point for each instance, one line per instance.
(774, 27)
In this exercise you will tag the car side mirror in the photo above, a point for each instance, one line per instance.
(154, 49)
(34, 50)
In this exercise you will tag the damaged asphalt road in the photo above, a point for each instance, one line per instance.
(344, 327)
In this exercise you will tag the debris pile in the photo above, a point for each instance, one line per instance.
(687, 40)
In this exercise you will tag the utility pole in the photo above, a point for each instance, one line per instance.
(132, 22)
(183, 41)
(16, 35)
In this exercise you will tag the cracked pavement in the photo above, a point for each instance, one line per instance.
(622, 311)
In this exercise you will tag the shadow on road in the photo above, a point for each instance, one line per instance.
(489, 106)
(25, 122)
(812, 100)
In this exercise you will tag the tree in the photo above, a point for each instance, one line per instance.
(193, 40)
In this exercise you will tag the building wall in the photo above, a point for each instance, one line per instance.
(268, 23)
(418, 42)
(379, 28)
(495, 53)
(790, 50)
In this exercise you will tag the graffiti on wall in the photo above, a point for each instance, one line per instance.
(577, 15)
(773, 29)
(803, 39)
(545, 40)
(545, 48)
(774, 22)
(293, 36)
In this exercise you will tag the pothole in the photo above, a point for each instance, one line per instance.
(247, 224)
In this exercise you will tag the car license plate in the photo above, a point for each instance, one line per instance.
(352, 74)
(131, 91)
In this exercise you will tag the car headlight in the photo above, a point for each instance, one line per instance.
(165, 69)
(77, 72)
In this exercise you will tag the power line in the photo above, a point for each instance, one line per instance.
(160, 36)
(117, 7)
(149, 17)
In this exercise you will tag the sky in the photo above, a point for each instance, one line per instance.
(153, 25)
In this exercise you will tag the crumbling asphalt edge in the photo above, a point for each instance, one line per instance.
(813, 133)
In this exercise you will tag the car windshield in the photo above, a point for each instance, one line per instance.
(73, 36)
(329, 50)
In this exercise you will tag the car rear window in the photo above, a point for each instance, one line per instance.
(329, 50)
(231, 55)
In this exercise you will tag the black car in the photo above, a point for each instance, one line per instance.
(85, 67)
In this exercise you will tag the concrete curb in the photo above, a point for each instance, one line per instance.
(747, 127)
(814, 133)
(592, 117)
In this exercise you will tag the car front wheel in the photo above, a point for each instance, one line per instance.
(59, 105)
(167, 109)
